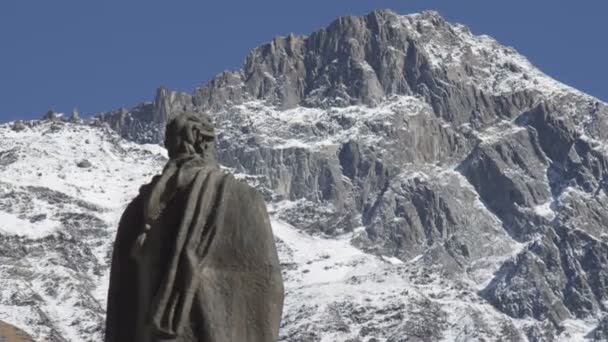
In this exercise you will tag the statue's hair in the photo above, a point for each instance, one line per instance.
(189, 133)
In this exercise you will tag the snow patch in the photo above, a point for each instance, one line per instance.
(10, 224)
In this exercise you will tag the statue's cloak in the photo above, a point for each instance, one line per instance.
(195, 260)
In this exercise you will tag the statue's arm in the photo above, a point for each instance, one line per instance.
(121, 306)
(259, 217)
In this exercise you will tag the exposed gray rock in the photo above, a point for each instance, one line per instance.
(18, 126)
(359, 60)
(437, 215)
(8, 157)
(75, 117)
(355, 60)
(600, 333)
(566, 271)
(85, 164)
(52, 115)
(146, 122)
(510, 173)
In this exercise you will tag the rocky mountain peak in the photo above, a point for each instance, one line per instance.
(52, 115)
(363, 60)
(343, 64)
(75, 117)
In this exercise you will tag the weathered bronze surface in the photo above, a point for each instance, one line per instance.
(194, 257)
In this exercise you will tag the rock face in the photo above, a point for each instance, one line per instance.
(424, 184)
(146, 122)
(75, 117)
(85, 164)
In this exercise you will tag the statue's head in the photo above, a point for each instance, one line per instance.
(188, 134)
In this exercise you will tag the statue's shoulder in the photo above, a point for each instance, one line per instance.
(136, 204)
(244, 190)
(145, 189)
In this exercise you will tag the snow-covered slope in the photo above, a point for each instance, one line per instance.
(57, 222)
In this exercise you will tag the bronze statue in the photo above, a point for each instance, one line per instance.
(194, 257)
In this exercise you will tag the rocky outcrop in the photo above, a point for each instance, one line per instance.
(18, 126)
(10, 333)
(52, 115)
(145, 123)
(510, 175)
(361, 61)
(354, 61)
(75, 117)
(568, 271)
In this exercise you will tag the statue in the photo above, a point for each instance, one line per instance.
(194, 257)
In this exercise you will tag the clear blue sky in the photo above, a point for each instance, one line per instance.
(104, 54)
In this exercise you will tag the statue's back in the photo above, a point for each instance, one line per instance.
(195, 258)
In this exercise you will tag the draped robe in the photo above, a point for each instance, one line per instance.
(194, 260)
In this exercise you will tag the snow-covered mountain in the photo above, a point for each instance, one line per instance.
(424, 184)
(57, 222)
